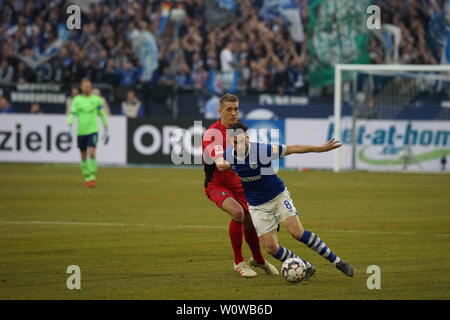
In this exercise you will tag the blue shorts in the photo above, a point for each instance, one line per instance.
(89, 140)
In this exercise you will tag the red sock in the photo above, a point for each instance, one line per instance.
(235, 233)
(251, 237)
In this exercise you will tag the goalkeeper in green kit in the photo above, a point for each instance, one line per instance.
(87, 107)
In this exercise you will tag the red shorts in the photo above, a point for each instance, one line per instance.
(218, 193)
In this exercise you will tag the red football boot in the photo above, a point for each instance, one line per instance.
(89, 184)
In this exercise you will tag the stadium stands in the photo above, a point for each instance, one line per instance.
(234, 46)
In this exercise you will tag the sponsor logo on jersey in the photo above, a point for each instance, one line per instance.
(250, 179)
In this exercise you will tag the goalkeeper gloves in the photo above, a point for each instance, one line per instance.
(69, 132)
(106, 136)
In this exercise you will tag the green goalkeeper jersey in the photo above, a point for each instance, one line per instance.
(87, 109)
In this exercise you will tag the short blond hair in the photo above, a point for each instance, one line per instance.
(228, 97)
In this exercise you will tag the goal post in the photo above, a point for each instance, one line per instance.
(345, 73)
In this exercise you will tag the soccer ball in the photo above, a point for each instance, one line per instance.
(293, 270)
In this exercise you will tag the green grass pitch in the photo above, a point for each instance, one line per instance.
(150, 233)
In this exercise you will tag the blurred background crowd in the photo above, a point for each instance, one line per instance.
(423, 30)
(260, 50)
(246, 48)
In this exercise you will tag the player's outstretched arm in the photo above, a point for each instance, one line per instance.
(330, 145)
(222, 164)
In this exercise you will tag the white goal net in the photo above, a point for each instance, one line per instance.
(392, 117)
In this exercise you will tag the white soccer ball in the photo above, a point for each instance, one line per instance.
(293, 270)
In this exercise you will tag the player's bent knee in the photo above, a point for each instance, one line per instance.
(235, 211)
(237, 215)
(272, 248)
(91, 152)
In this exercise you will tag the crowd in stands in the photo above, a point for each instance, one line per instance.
(252, 53)
(423, 30)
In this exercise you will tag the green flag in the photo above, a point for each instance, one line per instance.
(337, 33)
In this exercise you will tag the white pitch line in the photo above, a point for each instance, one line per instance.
(73, 223)
(181, 226)
(402, 233)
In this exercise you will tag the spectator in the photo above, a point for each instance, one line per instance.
(183, 77)
(244, 76)
(167, 78)
(296, 70)
(199, 77)
(128, 74)
(197, 61)
(35, 108)
(215, 83)
(227, 58)
(280, 79)
(5, 106)
(165, 85)
(408, 55)
(6, 71)
(109, 75)
(376, 53)
(260, 76)
(23, 74)
(132, 107)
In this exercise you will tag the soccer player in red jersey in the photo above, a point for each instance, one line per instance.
(224, 188)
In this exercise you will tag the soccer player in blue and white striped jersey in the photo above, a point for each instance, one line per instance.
(270, 203)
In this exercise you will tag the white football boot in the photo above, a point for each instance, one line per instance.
(268, 268)
(244, 270)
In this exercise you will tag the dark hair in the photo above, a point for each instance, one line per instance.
(238, 126)
(228, 98)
